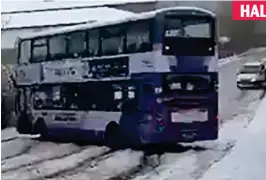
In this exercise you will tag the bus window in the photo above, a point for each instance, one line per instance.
(76, 43)
(112, 39)
(188, 28)
(24, 54)
(118, 95)
(93, 42)
(70, 94)
(131, 92)
(44, 98)
(189, 35)
(40, 50)
(57, 46)
(118, 92)
(138, 37)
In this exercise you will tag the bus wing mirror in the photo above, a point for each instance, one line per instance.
(224, 40)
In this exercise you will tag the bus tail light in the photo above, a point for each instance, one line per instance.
(217, 118)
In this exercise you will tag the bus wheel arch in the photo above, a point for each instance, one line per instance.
(111, 135)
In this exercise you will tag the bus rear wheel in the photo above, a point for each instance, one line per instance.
(111, 136)
(41, 128)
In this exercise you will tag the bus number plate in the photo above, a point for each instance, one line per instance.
(189, 116)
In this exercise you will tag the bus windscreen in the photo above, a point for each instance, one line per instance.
(189, 36)
(187, 28)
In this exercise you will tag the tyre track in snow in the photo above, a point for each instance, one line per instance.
(53, 168)
(9, 139)
(43, 152)
(17, 147)
(105, 167)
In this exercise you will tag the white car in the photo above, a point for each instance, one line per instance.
(252, 75)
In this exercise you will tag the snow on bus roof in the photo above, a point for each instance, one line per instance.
(63, 17)
(106, 22)
(41, 5)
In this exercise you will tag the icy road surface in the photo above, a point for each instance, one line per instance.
(27, 159)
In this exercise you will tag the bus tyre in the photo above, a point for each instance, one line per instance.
(111, 136)
(24, 125)
(41, 128)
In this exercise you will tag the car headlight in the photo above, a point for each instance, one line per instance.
(253, 80)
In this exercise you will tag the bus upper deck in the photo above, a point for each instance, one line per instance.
(179, 39)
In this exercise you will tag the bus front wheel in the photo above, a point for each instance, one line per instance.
(111, 136)
(41, 128)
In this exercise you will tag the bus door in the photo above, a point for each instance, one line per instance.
(150, 121)
(191, 101)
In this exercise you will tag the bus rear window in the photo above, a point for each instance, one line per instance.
(191, 83)
(189, 36)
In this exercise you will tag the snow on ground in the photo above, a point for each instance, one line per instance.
(16, 147)
(52, 167)
(8, 134)
(106, 168)
(247, 159)
(39, 153)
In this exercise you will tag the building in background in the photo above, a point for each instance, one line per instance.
(16, 24)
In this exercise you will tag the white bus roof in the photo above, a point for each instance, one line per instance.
(62, 17)
(41, 5)
(100, 23)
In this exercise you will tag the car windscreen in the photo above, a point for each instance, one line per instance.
(249, 69)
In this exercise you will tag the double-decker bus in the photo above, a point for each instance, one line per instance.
(147, 79)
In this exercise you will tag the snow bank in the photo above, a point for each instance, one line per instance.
(40, 5)
(64, 17)
(247, 159)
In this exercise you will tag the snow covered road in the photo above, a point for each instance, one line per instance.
(248, 158)
(29, 159)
